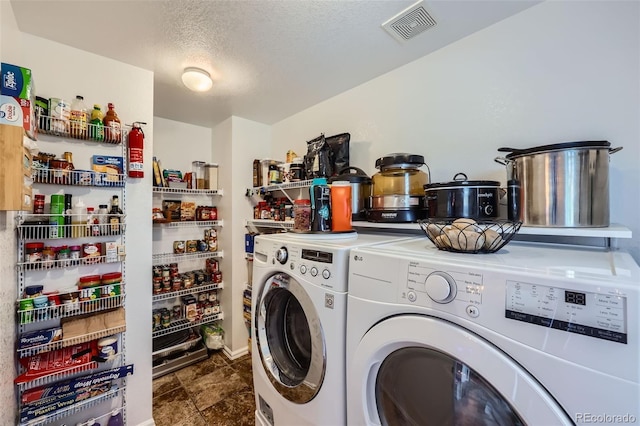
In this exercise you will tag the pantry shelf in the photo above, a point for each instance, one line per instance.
(267, 223)
(163, 190)
(193, 290)
(83, 178)
(65, 264)
(76, 408)
(70, 342)
(260, 190)
(191, 224)
(93, 133)
(70, 310)
(183, 324)
(28, 229)
(172, 257)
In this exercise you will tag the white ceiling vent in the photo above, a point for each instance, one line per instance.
(410, 22)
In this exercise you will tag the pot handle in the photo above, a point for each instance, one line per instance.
(512, 150)
(348, 169)
(460, 174)
(502, 160)
(614, 150)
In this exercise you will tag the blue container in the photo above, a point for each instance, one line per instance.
(248, 243)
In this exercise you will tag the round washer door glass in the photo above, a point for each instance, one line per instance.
(289, 338)
(421, 386)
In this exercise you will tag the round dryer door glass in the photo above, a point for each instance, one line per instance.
(290, 339)
(421, 386)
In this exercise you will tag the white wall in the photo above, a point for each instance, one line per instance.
(63, 71)
(559, 71)
(177, 144)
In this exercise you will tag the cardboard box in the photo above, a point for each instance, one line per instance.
(39, 337)
(18, 112)
(16, 81)
(108, 170)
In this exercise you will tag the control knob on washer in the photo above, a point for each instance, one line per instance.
(440, 287)
(282, 255)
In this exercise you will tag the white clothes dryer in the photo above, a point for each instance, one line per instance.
(299, 310)
(536, 334)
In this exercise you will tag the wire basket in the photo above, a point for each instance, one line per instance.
(469, 236)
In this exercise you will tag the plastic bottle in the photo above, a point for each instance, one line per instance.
(116, 418)
(103, 219)
(79, 219)
(79, 118)
(112, 126)
(96, 128)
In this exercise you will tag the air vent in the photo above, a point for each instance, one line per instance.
(410, 22)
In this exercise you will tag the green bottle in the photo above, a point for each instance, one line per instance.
(96, 127)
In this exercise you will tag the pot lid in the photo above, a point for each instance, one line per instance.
(460, 180)
(351, 174)
(400, 159)
(516, 152)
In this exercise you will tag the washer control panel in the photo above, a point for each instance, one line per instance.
(427, 286)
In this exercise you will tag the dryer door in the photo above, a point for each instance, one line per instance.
(417, 370)
(290, 339)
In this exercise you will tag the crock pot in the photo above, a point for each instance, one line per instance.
(398, 194)
(360, 190)
(562, 185)
(475, 199)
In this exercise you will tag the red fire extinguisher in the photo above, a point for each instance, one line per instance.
(136, 153)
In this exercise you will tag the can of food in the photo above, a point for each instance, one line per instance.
(178, 247)
(157, 285)
(203, 245)
(108, 347)
(192, 246)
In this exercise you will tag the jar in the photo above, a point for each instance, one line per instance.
(274, 174)
(187, 281)
(74, 254)
(296, 171)
(111, 284)
(63, 255)
(165, 318)
(302, 215)
(197, 170)
(89, 281)
(176, 284)
(33, 252)
(32, 291)
(60, 170)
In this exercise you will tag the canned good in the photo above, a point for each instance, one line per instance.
(33, 252)
(157, 285)
(176, 284)
(203, 245)
(192, 246)
(179, 247)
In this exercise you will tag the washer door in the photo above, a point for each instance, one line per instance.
(290, 339)
(414, 370)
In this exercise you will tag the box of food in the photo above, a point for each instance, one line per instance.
(108, 170)
(171, 209)
(187, 210)
(18, 112)
(39, 337)
(16, 81)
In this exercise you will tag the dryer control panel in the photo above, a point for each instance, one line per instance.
(602, 316)
(426, 284)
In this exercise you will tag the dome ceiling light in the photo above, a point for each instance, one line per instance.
(197, 79)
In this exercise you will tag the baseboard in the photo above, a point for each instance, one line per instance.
(149, 422)
(236, 354)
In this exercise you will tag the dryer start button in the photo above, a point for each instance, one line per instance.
(473, 311)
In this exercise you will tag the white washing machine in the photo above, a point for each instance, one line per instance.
(299, 311)
(532, 335)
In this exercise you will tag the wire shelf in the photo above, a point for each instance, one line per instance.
(183, 324)
(267, 223)
(39, 227)
(78, 178)
(77, 308)
(68, 263)
(172, 257)
(164, 190)
(259, 190)
(77, 407)
(87, 132)
(70, 342)
(193, 290)
(190, 224)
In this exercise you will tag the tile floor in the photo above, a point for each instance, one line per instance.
(216, 392)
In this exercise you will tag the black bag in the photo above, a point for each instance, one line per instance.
(317, 162)
(339, 145)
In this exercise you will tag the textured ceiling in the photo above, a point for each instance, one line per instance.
(268, 59)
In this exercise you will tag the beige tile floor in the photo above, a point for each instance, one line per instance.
(216, 392)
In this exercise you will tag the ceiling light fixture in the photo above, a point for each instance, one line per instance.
(197, 79)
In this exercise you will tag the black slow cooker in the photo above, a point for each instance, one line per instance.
(475, 199)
